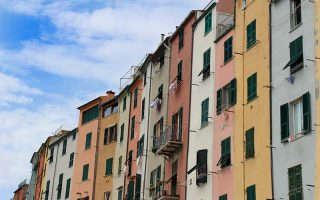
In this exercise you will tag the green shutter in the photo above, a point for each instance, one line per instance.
(130, 190)
(204, 112)
(121, 133)
(223, 197)
(141, 144)
(88, 140)
(179, 72)
(158, 173)
(124, 103)
(295, 183)
(133, 122)
(173, 125)
(250, 143)
(85, 172)
(219, 101)
(135, 100)
(208, 23)
(90, 114)
(160, 92)
(202, 168)
(233, 92)
(64, 147)
(120, 194)
(180, 115)
(251, 192)
(119, 165)
(284, 121)
(252, 87)
(251, 34)
(60, 186)
(306, 112)
(142, 109)
(138, 186)
(228, 49)
(181, 38)
(225, 153)
(109, 166)
(71, 159)
(46, 197)
(68, 184)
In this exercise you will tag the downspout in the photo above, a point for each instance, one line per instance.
(128, 132)
(96, 153)
(270, 96)
(147, 136)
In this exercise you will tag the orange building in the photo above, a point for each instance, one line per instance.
(21, 192)
(84, 173)
(107, 139)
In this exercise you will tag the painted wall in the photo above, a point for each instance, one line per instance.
(121, 147)
(302, 150)
(255, 113)
(34, 175)
(223, 123)
(21, 193)
(40, 173)
(104, 183)
(201, 138)
(180, 98)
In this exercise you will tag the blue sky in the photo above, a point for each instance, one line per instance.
(56, 55)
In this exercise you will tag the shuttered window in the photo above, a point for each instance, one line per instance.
(204, 112)
(119, 165)
(64, 147)
(219, 101)
(160, 92)
(124, 103)
(51, 155)
(130, 190)
(226, 96)
(225, 159)
(109, 166)
(181, 38)
(223, 197)
(306, 107)
(90, 114)
(142, 108)
(284, 120)
(251, 192)
(85, 172)
(138, 186)
(130, 162)
(202, 169)
(252, 87)
(71, 159)
(59, 188)
(68, 185)
(251, 34)
(135, 99)
(233, 92)
(120, 194)
(208, 23)
(46, 197)
(121, 132)
(206, 64)
(88, 140)
(228, 50)
(133, 124)
(296, 55)
(106, 136)
(295, 183)
(180, 124)
(179, 72)
(250, 143)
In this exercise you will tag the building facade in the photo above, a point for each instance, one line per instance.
(251, 143)
(293, 119)
(21, 192)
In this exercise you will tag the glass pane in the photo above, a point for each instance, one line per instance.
(297, 117)
(107, 112)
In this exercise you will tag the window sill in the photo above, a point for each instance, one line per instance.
(110, 142)
(227, 61)
(225, 167)
(106, 176)
(205, 77)
(250, 157)
(295, 27)
(251, 46)
(87, 148)
(203, 125)
(297, 68)
(206, 33)
(252, 99)
(295, 137)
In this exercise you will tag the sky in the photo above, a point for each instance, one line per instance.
(58, 55)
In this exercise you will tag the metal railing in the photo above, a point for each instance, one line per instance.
(169, 134)
(224, 25)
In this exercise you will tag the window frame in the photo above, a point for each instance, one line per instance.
(251, 34)
(228, 49)
(208, 23)
(252, 81)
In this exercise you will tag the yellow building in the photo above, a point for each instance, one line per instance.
(107, 139)
(317, 55)
(252, 155)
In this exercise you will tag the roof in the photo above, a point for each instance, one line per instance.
(190, 15)
(206, 10)
(160, 50)
(65, 134)
(96, 99)
(115, 98)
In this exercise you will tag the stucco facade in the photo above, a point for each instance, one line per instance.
(299, 148)
(34, 175)
(107, 139)
(252, 169)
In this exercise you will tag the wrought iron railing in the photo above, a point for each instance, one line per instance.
(169, 134)
(224, 25)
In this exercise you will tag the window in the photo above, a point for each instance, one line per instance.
(226, 96)
(295, 13)
(202, 169)
(74, 135)
(110, 135)
(138, 186)
(142, 108)
(160, 91)
(179, 72)
(228, 50)
(206, 65)
(252, 87)
(88, 140)
(161, 59)
(115, 108)
(68, 184)
(251, 192)
(85, 172)
(251, 34)
(157, 132)
(59, 188)
(244, 3)
(135, 100)
(145, 77)
(51, 155)
(155, 176)
(107, 195)
(300, 111)
(64, 147)
(204, 112)
(90, 114)
(130, 190)
(46, 197)
(177, 125)
(208, 23)
(225, 159)
(296, 55)
(120, 194)
(250, 143)
(295, 183)
(181, 36)
(107, 111)
(106, 136)
(140, 146)
(130, 162)
(121, 132)
(109, 166)
(124, 103)
(223, 197)
(133, 121)
(119, 165)
(71, 159)
(174, 178)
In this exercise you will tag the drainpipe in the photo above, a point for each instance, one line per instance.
(96, 153)
(270, 96)
(147, 136)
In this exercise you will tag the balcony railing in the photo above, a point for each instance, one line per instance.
(164, 191)
(227, 22)
(169, 142)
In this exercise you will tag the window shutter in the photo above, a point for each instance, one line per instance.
(284, 120)
(306, 112)
(233, 91)
(85, 172)
(158, 172)
(155, 135)
(180, 123)
(88, 140)
(130, 190)
(251, 192)
(68, 188)
(109, 166)
(132, 127)
(71, 159)
(250, 143)
(141, 144)
(138, 186)
(105, 139)
(299, 46)
(292, 49)
(219, 101)
(122, 132)
(115, 129)
(202, 168)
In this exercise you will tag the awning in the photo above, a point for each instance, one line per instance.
(293, 60)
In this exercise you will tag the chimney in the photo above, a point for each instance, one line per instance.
(162, 37)
(110, 92)
(177, 27)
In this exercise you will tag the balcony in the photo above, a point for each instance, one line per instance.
(169, 142)
(225, 22)
(161, 191)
